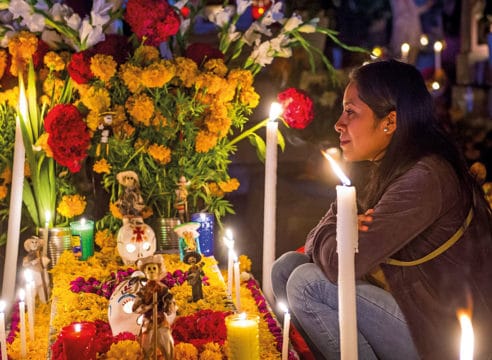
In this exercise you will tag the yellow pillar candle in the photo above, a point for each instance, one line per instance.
(242, 337)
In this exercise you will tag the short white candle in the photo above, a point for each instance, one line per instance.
(237, 283)
(424, 40)
(437, 55)
(285, 331)
(229, 242)
(270, 198)
(405, 50)
(30, 293)
(3, 342)
(22, 316)
(347, 244)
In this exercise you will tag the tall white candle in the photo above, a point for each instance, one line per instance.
(30, 291)
(437, 55)
(347, 243)
(3, 342)
(22, 317)
(270, 199)
(237, 283)
(15, 208)
(229, 242)
(285, 331)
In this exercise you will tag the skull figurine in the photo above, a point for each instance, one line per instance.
(135, 240)
(120, 315)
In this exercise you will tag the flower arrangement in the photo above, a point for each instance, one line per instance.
(147, 100)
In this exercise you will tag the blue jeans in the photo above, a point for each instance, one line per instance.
(313, 303)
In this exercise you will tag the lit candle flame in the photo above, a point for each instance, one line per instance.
(22, 294)
(28, 275)
(438, 46)
(78, 327)
(336, 168)
(424, 40)
(283, 307)
(276, 110)
(467, 337)
(2, 306)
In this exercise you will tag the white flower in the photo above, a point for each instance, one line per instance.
(232, 34)
(222, 17)
(34, 23)
(59, 12)
(73, 21)
(52, 38)
(100, 12)
(20, 8)
(90, 35)
(180, 4)
(5, 38)
(242, 5)
(41, 5)
(292, 23)
(253, 34)
(185, 24)
(274, 14)
(307, 28)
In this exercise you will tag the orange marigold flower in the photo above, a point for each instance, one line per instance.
(160, 153)
(102, 166)
(71, 205)
(229, 185)
(22, 48)
(6, 175)
(141, 108)
(3, 191)
(105, 239)
(215, 190)
(115, 210)
(158, 74)
(96, 99)
(3, 62)
(54, 61)
(205, 141)
(185, 351)
(244, 263)
(131, 77)
(186, 70)
(103, 66)
(146, 54)
(216, 66)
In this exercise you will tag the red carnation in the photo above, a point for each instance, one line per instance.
(68, 136)
(79, 67)
(298, 108)
(199, 52)
(155, 20)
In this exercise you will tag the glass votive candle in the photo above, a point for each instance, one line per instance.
(243, 337)
(78, 341)
(85, 230)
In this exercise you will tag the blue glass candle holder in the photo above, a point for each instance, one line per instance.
(206, 231)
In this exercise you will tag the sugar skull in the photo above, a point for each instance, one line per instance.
(120, 314)
(135, 240)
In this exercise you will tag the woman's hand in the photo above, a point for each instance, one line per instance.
(363, 220)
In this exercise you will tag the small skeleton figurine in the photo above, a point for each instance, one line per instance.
(105, 129)
(37, 263)
(181, 203)
(195, 273)
(130, 202)
(188, 241)
(158, 307)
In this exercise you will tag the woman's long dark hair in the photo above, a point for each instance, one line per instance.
(391, 85)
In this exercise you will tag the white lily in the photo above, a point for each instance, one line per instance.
(222, 17)
(73, 21)
(232, 34)
(34, 22)
(261, 54)
(273, 14)
(90, 35)
(59, 12)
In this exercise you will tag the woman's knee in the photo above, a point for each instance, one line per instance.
(285, 265)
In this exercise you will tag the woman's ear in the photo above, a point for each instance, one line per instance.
(390, 123)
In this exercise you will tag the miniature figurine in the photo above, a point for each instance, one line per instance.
(37, 263)
(194, 278)
(188, 241)
(105, 129)
(130, 202)
(158, 307)
(181, 203)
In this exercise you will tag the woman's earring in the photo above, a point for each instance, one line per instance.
(385, 129)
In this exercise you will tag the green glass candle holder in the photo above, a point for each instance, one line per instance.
(85, 230)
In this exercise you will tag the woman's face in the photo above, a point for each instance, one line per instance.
(362, 135)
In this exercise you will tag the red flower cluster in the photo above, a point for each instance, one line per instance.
(154, 19)
(69, 138)
(202, 327)
(298, 108)
(79, 67)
